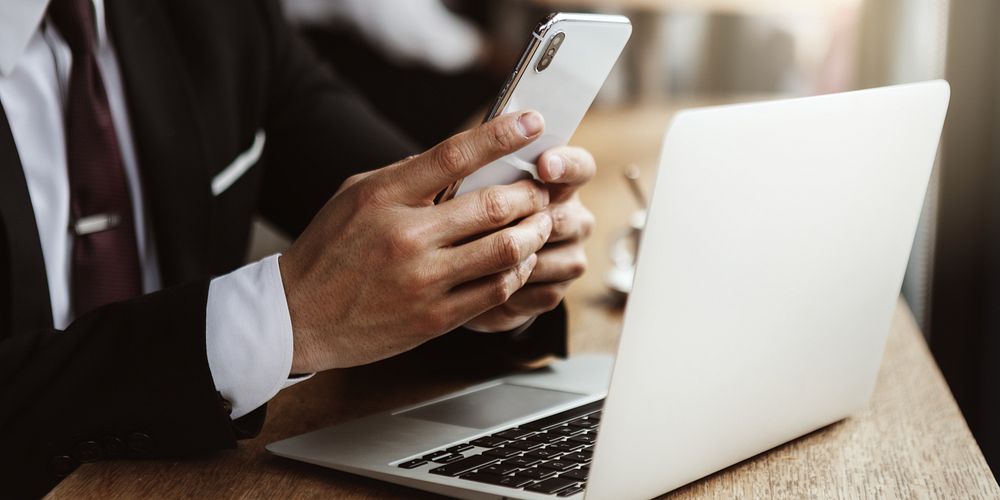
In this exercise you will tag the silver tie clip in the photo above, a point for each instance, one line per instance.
(95, 223)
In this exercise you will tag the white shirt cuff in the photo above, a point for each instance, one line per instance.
(248, 335)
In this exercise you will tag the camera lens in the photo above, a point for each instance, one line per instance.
(550, 51)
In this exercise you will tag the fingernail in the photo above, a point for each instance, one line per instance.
(530, 261)
(546, 222)
(530, 123)
(557, 167)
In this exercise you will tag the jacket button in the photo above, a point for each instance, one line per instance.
(88, 451)
(227, 406)
(62, 465)
(140, 443)
(115, 447)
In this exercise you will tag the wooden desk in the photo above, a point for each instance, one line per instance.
(910, 443)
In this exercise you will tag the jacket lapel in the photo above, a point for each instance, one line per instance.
(169, 136)
(28, 291)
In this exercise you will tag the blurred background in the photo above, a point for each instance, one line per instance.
(433, 67)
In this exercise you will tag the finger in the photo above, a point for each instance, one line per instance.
(487, 209)
(534, 299)
(476, 297)
(570, 221)
(566, 169)
(559, 263)
(496, 252)
(422, 177)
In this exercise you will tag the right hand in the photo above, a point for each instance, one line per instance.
(381, 269)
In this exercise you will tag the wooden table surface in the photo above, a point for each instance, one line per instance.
(911, 442)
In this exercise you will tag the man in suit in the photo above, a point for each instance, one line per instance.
(138, 138)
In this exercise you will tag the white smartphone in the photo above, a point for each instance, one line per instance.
(559, 74)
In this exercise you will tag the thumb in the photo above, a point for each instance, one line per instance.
(422, 177)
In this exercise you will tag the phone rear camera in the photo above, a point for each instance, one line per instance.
(550, 51)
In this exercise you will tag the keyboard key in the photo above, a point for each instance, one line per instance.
(523, 445)
(501, 452)
(521, 461)
(508, 481)
(551, 485)
(459, 448)
(535, 473)
(564, 416)
(499, 469)
(544, 454)
(545, 437)
(570, 491)
(513, 433)
(488, 442)
(576, 474)
(558, 464)
(588, 438)
(566, 430)
(584, 423)
(436, 455)
(464, 465)
(577, 457)
(447, 459)
(412, 464)
(566, 446)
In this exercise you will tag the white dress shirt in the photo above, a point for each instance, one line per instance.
(248, 327)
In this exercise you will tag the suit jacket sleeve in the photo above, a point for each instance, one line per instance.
(320, 132)
(127, 380)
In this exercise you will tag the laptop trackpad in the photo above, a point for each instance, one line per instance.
(491, 406)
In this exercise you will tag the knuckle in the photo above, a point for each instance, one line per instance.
(354, 179)
(404, 240)
(435, 321)
(577, 268)
(507, 250)
(523, 273)
(420, 278)
(503, 288)
(369, 192)
(496, 206)
(501, 135)
(585, 164)
(451, 158)
(549, 298)
(560, 222)
(589, 221)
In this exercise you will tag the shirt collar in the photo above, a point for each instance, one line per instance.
(20, 19)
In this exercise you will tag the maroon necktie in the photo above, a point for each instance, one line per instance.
(105, 261)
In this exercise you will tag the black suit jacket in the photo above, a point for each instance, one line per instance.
(131, 379)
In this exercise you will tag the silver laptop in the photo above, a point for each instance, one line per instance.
(769, 270)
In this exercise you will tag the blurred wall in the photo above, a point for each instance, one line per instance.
(965, 314)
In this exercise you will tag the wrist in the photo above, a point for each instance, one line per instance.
(303, 338)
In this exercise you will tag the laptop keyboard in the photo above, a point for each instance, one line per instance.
(550, 455)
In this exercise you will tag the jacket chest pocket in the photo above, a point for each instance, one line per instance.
(234, 202)
(240, 165)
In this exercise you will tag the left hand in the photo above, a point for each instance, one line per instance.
(561, 260)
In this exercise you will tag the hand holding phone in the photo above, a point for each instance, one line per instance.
(560, 72)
